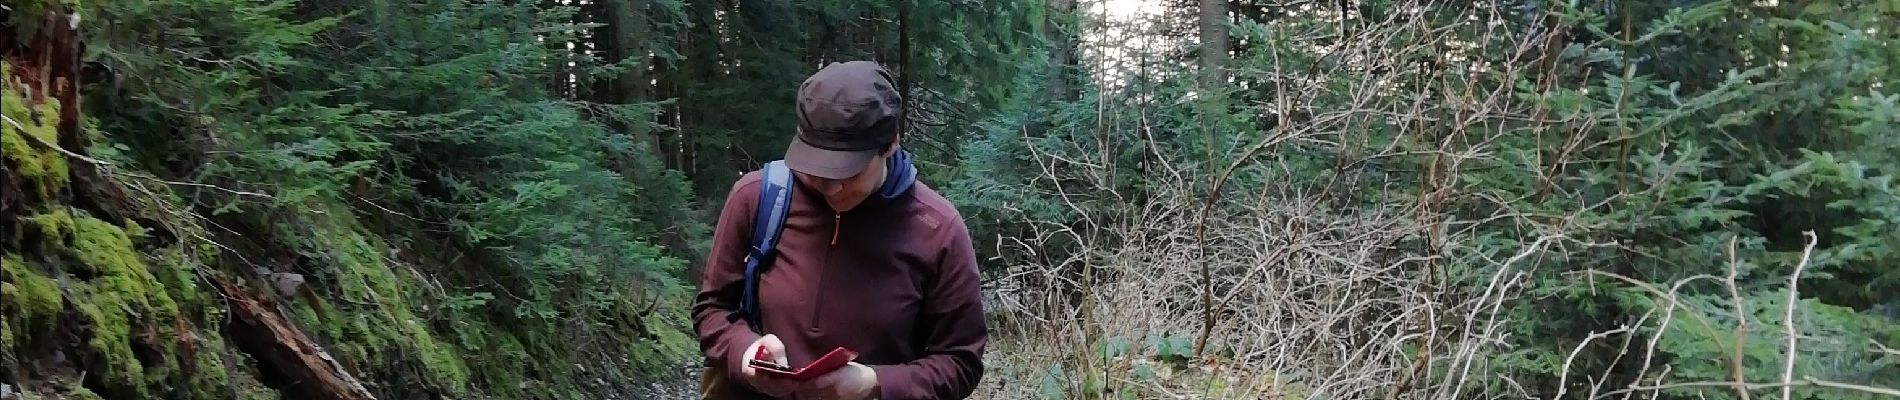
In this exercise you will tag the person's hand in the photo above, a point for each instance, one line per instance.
(853, 381)
(771, 349)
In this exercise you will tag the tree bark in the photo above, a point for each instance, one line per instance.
(1057, 29)
(262, 332)
(1215, 45)
(903, 67)
(625, 36)
(1214, 52)
(560, 76)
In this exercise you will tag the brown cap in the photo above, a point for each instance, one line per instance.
(847, 113)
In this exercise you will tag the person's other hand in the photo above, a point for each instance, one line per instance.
(854, 381)
(771, 349)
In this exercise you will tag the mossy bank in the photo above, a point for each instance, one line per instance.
(119, 270)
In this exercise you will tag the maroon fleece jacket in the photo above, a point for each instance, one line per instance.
(896, 280)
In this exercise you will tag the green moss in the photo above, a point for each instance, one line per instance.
(125, 299)
(45, 168)
(247, 387)
(74, 391)
(122, 292)
(441, 362)
(547, 345)
(381, 320)
(108, 250)
(111, 337)
(53, 225)
(29, 306)
(134, 231)
(6, 337)
(35, 297)
(496, 352)
(178, 275)
(208, 377)
(378, 284)
(177, 309)
(363, 276)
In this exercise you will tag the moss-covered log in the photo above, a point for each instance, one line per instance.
(262, 331)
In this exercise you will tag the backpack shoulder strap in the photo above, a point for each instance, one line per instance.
(775, 201)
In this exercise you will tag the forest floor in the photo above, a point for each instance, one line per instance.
(681, 383)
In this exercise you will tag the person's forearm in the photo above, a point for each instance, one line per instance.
(940, 376)
(722, 340)
(721, 336)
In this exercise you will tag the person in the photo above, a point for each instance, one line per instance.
(870, 259)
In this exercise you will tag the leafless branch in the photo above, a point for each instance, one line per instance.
(1300, 297)
(55, 147)
(1787, 320)
(1741, 324)
(109, 168)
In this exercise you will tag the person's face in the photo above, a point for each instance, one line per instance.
(845, 194)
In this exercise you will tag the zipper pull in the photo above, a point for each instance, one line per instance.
(836, 220)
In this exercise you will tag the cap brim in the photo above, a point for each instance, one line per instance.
(828, 164)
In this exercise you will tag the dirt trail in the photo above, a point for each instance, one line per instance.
(680, 382)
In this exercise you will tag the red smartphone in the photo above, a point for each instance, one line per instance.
(837, 358)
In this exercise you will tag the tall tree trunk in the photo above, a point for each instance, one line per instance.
(903, 67)
(1214, 44)
(557, 84)
(627, 31)
(703, 50)
(598, 42)
(1214, 51)
(1058, 30)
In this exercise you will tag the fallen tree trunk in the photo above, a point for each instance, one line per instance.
(282, 346)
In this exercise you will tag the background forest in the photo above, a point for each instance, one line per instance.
(1206, 199)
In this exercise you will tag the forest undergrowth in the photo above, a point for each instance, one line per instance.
(1439, 200)
(1227, 199)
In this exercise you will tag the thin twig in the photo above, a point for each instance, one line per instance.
(42, 142)
(1787, 320)
(1785, 387)
(214, 187)
(1883, 349)
(108, 167)
(1848, 386)
(1741, 324)
(1562, 380)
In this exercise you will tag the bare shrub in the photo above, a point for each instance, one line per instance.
(1188, 288)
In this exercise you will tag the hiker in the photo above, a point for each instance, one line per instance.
(868, 259)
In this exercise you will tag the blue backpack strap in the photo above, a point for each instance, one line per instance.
(775, 201)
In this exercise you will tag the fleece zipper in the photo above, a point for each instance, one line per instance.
(818, 302)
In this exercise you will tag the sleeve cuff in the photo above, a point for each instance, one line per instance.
(891, 381)
(737, 341)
